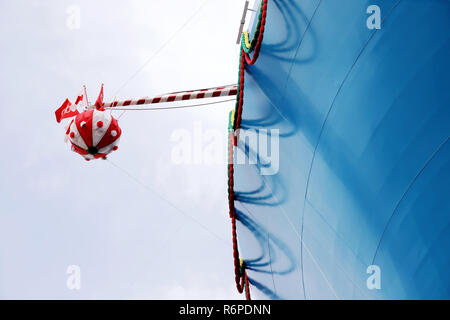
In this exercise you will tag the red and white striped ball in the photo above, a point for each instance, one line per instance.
(94, 134)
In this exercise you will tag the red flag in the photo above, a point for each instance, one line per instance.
(65, 111)
(99, 102)
(79, 98)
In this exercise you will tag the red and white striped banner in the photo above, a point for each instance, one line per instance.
(225, 91)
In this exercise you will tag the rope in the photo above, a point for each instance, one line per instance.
(169, 108)
(158, 51)
(245, 58)
(262, 23)
(246, 45)
(250, 46)
(235, 117)
(167, 201)
(168, 40)
(240, 93)
(240, 274)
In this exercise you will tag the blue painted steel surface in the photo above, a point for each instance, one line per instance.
(364, 156)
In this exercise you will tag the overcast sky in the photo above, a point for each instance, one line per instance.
(139, 225)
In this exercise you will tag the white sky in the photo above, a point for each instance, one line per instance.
(58, 210)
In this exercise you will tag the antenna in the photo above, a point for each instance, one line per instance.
(87, 99)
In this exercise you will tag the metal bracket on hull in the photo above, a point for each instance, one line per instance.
(241, 27)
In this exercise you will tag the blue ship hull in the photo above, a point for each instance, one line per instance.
(364, 152)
